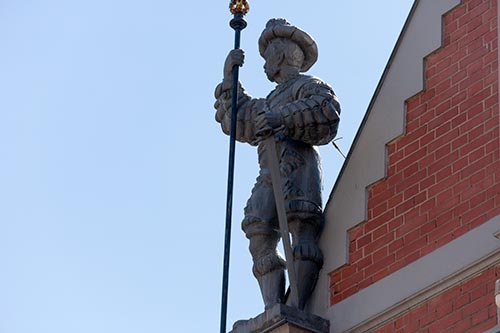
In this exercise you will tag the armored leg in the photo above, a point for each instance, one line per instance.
(305, 228)
(261, 228)
(268, 265)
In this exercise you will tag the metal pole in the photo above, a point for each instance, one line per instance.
(238, 9)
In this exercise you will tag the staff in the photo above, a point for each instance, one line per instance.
(239, 8)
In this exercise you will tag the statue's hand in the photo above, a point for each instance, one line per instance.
(267, 123)
(235, 57)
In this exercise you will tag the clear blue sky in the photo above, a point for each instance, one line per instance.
(113, 170)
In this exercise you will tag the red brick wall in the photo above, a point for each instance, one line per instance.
(468, 307)
(443, 175)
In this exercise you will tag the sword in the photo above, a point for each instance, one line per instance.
(274, 166)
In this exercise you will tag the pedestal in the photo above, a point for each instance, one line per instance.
(283, 319)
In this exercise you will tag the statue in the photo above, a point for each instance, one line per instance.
(301, 113)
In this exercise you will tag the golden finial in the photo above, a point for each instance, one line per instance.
(239, 6)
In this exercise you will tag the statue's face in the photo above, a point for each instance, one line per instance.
(283, 60)
(273, 58)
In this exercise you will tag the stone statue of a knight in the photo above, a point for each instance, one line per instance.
(302, 112)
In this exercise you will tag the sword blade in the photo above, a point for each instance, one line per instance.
(279, 198)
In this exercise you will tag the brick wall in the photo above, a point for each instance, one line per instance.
(467, 307)
(443, 175)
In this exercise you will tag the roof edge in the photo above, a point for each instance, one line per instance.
(374, 97)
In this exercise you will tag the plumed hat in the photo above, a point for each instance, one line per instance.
(281, 28)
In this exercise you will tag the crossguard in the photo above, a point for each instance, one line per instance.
(265, 133)
(239, 6)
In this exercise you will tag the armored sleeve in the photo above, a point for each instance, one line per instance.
(313, 116)
(248, 108)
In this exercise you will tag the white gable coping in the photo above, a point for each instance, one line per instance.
(384, 121)
(418, 282)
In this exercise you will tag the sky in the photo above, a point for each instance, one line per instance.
(113, 169)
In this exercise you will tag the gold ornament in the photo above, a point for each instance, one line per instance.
(239, 6)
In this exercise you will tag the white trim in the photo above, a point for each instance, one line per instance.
(420, 298)
(384, 121)
(418, 281)
(495, 329)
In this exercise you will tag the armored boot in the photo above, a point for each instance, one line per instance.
(272, 287)
(308, 260)
(269, 271)
(268, 265)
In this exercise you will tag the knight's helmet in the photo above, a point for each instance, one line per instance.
(281, 28)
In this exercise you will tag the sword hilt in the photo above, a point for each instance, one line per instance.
(265, 132)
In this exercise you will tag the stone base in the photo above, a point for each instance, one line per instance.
(283, 319)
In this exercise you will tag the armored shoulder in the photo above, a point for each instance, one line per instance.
(313, 116)
(307, 86)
